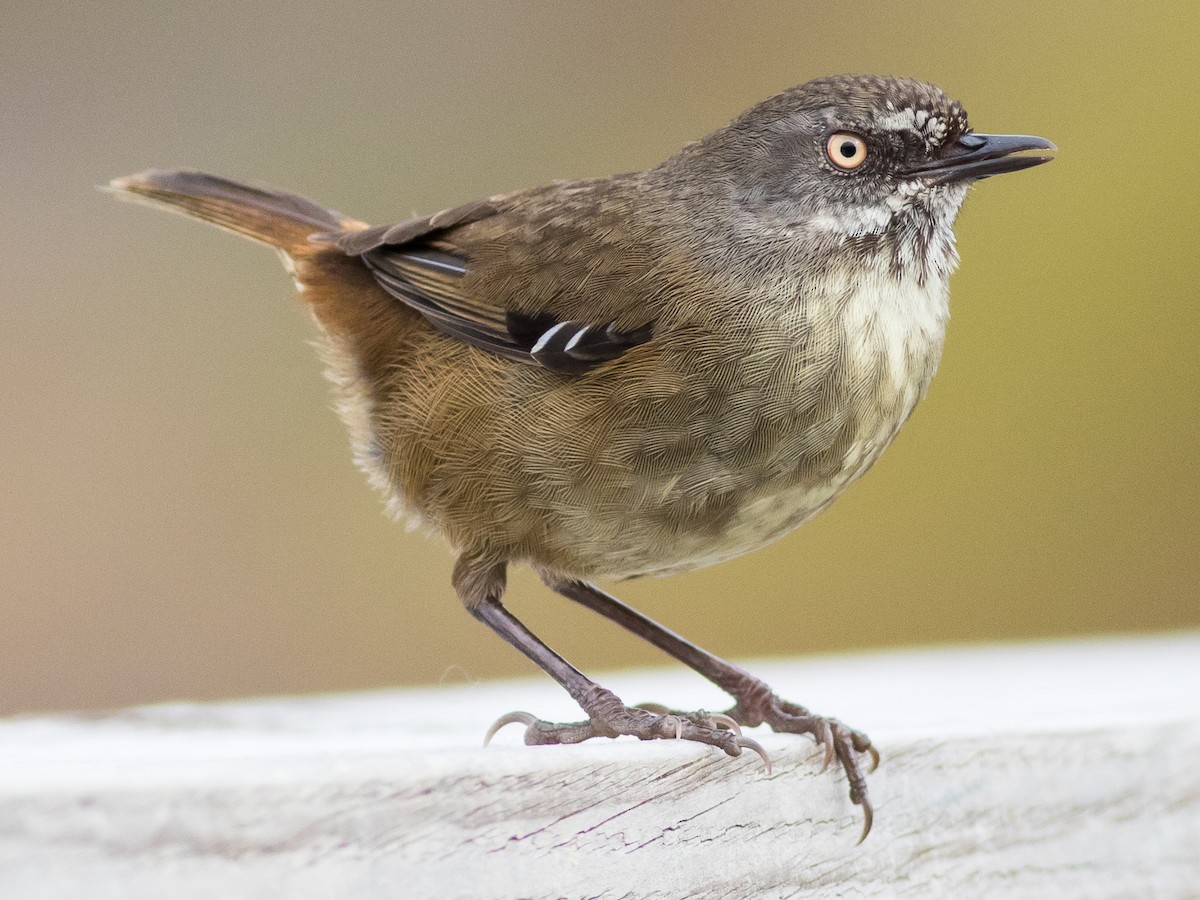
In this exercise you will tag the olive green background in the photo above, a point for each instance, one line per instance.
(179, 516)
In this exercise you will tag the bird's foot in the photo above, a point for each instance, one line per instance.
(609, 717)
(758, 704)
(701, 717)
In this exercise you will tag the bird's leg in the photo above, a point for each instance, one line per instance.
(755, 703)
(480, 586)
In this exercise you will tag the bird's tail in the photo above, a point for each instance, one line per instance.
(277, 219)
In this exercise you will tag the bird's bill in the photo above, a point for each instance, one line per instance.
(976, 156)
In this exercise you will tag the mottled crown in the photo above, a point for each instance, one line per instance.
(873, 101)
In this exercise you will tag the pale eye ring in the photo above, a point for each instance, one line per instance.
(846, 150)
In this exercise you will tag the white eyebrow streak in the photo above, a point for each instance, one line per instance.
(906, 117)
(932, 128)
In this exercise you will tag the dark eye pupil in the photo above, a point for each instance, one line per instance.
(848, 149)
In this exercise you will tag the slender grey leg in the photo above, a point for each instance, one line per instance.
(607, 715)
(755, 703)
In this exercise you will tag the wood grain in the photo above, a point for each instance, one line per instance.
(1066, 770)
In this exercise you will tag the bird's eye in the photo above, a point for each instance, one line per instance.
(846, 150)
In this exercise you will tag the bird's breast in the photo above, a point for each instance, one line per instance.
(893, 328)
(824, 384)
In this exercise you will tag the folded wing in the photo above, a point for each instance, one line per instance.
(449, 268)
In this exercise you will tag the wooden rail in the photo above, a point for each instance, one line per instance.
(1033, 770)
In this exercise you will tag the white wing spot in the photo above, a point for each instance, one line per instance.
(547, 337)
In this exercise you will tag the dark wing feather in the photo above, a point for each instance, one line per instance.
(420, 263)
(567, 346)
(399, 274)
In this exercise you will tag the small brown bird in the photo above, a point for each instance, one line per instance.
(644, 373)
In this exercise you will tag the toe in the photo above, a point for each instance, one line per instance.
(673, 723)
(657, 708)
(727, 722)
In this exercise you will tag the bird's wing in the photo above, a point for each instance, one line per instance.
(541, 277)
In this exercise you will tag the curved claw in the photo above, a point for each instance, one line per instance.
(526, 719)
(826, 739)
(868, 819)
(750, 744)
(874, 763)
(729, 722)
(677, 722)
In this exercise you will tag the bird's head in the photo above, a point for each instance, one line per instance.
(851, 158)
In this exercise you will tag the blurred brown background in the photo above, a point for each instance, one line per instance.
(179, 516)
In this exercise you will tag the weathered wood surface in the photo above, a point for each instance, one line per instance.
(1064, 770)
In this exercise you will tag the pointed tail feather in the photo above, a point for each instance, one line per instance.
(274, 218)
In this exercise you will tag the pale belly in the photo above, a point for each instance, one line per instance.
(767, 516)
(892, 338)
